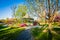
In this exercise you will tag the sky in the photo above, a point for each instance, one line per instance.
(5, 7)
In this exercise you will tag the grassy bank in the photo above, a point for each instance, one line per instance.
(9, 33)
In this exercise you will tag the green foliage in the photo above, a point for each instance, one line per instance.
(21, 11)
(56, 29)
(43, 36)
(40, 35)
(57, 35)
(37, 32)
(2, 26)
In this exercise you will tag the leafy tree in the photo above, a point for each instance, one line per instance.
(21, 11)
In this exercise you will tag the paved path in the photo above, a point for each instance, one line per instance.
(25, 35)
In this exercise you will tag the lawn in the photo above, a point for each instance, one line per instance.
(9, 33)
(38, 34)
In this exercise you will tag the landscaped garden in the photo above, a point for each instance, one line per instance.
(31, 20)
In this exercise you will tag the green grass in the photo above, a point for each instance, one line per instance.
(57, 30)
(39, 35)
(9, 33)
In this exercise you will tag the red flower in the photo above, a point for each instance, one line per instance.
(22, 25)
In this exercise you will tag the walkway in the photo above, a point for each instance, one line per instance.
(25, 35)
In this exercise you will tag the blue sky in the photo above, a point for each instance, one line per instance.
(5, 7)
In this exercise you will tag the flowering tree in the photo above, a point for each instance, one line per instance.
(44, 9)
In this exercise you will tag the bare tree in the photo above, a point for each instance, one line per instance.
(39, 6)
(13, 8)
